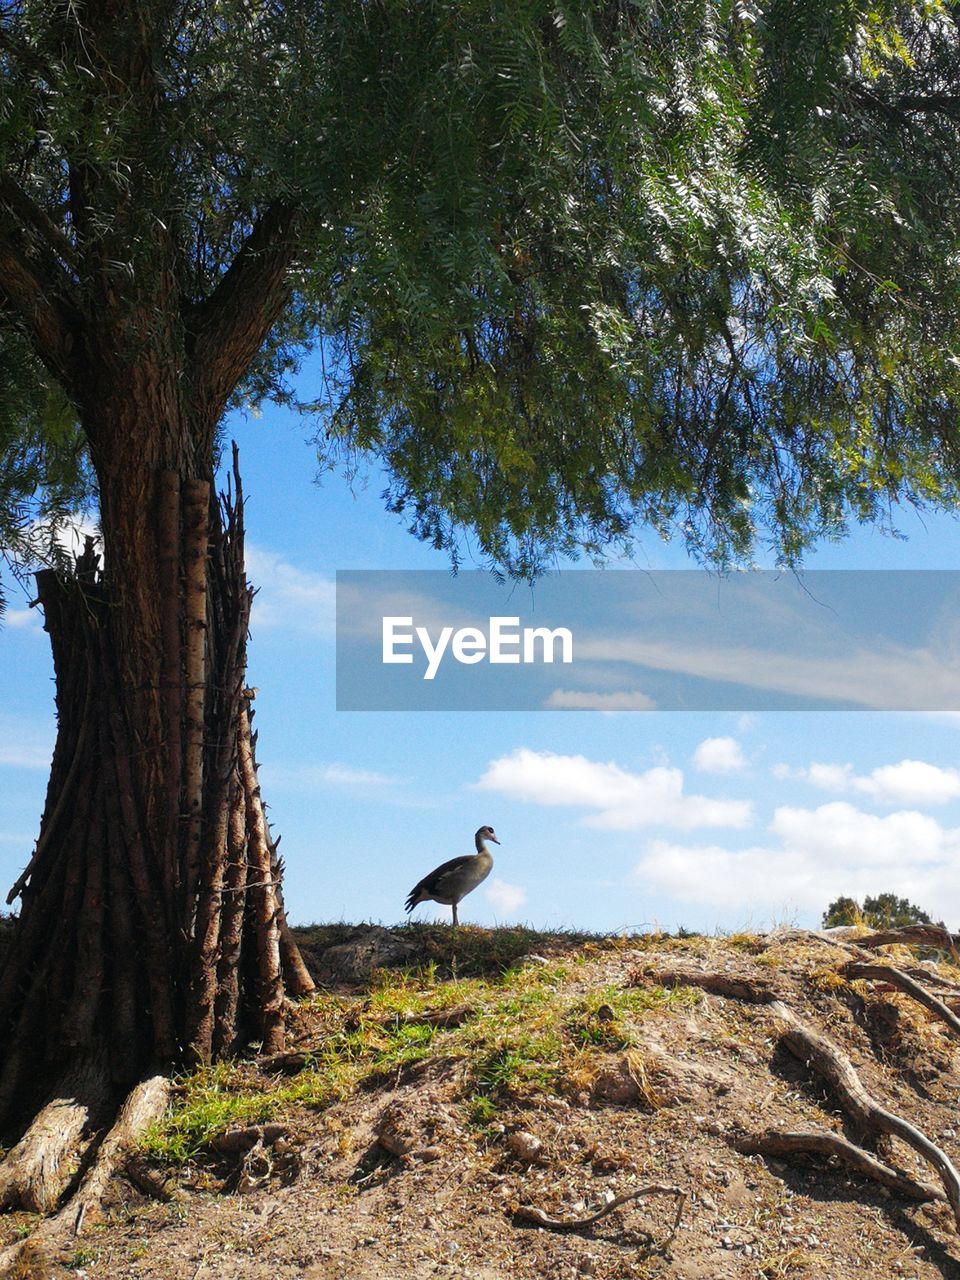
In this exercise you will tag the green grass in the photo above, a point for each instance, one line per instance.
(528, 1033)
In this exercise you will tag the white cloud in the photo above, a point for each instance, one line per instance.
(289, 598)
(816, 855)
(314, 777)
(908, 782)
(23, 620)
(506, 899)
(839, 831)
(912, 782)
(719, 755)
(587, 700)
(622, 801)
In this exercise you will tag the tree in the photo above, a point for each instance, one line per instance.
(885, 911)
(573, 269)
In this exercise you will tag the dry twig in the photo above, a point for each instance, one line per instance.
(530, 1213)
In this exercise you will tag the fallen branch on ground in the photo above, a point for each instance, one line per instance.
(778, 1142)
(530, 1213)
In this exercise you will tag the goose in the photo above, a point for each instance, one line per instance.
(453, 880)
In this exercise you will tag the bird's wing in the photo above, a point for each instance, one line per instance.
(436, 877)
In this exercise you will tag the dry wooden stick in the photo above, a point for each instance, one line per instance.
(168, 503)
(196, 534)
(779, 1142)
(897, 978)
(530, 1213)
(263, 898)
(833, 1065)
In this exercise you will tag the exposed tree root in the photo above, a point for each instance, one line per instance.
(144, 1103)
(915, 935)
(37, 1170)
(530, 1213)
(909, 986)
(158, 1186)
(240, 1141)
(732, 986)
(824, 1142)
(829, 1062)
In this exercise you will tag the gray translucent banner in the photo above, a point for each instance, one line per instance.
(615, 640)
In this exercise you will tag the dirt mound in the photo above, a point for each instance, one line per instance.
(422, 1119)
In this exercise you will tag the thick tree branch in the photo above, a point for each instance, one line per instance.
(229, 328)
(49, 320)
(35, 221)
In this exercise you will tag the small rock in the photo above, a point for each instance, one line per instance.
(708, 1202)
(525, 1145)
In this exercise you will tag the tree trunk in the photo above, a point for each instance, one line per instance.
(151, 929)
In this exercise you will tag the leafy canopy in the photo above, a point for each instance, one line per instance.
(571, 267)
(884, 911)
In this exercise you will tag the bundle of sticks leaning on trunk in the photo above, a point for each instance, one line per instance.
(827, 1060)
(111, 895)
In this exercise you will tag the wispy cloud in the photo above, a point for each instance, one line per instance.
(589, 700)
(321, 776)
(290, 598)
(719, 755)
(506, 899)
(23, 620)
(908, 782)
(813, 856)
(620, 800)
(888, 677)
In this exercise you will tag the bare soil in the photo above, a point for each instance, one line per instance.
(399, 1179)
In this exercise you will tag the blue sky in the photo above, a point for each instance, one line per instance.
(607, 821)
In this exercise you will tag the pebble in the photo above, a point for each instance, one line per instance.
(525, 1145)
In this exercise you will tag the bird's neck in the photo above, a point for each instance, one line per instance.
(481, 844)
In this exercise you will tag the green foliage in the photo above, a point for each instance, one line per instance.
(571, 267)
(885, 911)
(45, 476)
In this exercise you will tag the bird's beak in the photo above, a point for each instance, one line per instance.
(494, 839)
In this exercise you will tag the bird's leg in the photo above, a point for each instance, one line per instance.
(455, 920)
